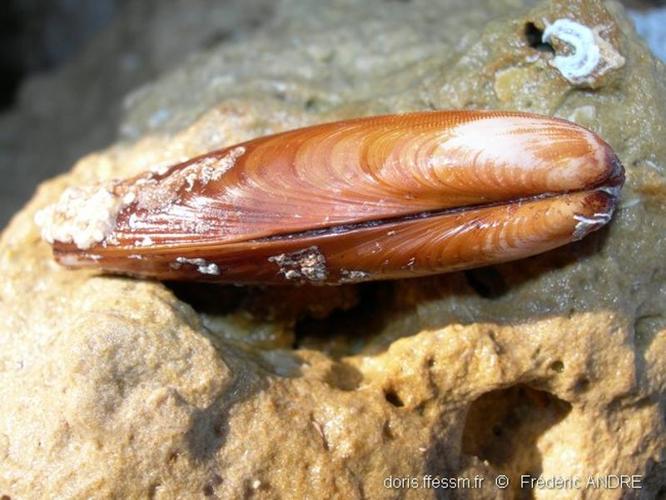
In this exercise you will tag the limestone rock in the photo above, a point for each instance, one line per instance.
(550, 366)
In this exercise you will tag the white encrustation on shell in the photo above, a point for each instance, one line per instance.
(83, 215)
(308, 264)
(211, 169)
(202, 265)
(353, 275)
(86, 216)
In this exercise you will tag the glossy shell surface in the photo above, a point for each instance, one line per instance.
(371, 198)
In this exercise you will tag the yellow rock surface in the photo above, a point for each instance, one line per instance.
(551, 366)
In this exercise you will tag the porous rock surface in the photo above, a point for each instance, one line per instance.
(550, 366)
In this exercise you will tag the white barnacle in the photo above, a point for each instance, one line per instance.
(146, 241)
(592, 56)
(202, 265)
(209, 268)
(133, 221)
(129, 197)
(291, 274)
(353, 275)
(308, 264)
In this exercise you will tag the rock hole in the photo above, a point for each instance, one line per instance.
(557, 366)
(173, 456)
(311, 104)
(393, 398)
(534, 37)
(488, 282)
(582, 384)
(503, 427)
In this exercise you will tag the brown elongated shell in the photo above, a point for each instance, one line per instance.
(372, 198)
